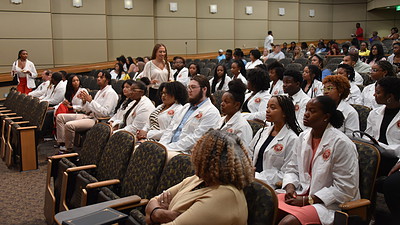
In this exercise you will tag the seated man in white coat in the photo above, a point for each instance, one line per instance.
(102, 105)
(292, 80)
(195, 118)
(42, 88)
(180, 72)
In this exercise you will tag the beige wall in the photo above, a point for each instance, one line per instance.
(55, 33)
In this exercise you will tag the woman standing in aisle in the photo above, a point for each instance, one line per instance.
(25, 72)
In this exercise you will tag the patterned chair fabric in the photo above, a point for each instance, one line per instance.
(294, 66)
(363, 112)
(368, 161)
(269, 61)
(255, 125)
(145, 170)
(177, 169)
(218, 99)
(302, 61)
(262, 204)
(285, 61)
(137, 218)
(116, 155)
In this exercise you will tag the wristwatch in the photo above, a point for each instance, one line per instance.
(310, 200)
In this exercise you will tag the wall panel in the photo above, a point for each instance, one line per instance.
(215, 29)
(132, 48)
(67, 26)
(175, 28)
(33, 25)
(130, 27)
(72, 52)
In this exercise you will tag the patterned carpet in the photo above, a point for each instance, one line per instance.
(22, 193)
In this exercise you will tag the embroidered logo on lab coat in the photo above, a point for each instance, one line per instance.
(326, 154)
(180, 76)
(296, 107)
(198, 116)
(398, 124)
(315, 89)
(230, 130)
(257, 100)
(276, 92)
(133, 114)
(171, 112)
(278, 147)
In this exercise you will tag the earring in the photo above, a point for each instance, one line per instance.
(389, 100)
(325, 120)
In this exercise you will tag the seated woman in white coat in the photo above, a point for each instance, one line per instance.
(136, 116)
(256, 101)
(238, 71)
(330, 158)
(233, 121)
(255, 56)
(123, 105)
(275, 71)
(173, 96)
(220, 80)
(273, 147)
(355, 92)
(338, 88)
(384, 125)
(311, 85)
(379, 70)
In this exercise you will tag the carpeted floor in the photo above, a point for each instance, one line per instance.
(22, 193)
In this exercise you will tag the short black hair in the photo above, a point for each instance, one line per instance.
(179, 57)
(269, 32)
(255, 53)
(56, 76)
(106, 74)
(390, 85)
(278, 67)
(296, 75)
(349, 70)
(258, 79)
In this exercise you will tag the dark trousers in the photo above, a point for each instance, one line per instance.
(391, 190)
(48, 124)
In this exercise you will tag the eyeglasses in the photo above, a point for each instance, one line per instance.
(327, 88)
(191, 87)
(136, 89)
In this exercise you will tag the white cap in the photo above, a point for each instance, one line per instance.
(220, 50)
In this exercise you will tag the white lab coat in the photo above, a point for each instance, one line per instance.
(56, 94)
(40, 90)
(103, 104)
(76, 102)
(183, 76)
(164, 120)
(368, 98)
(300, 100)
(275, 159)
(374, 122)
(118, 117)
(351, 122)
(239, 126)
(242, 78)
(137, 118)
(198, 123)
(30, 79)
(358, 79)
(251, 65)
(335, 172)
(257, 105)
(315, 89)
(355, 94)
(277, 89)
(225, 86)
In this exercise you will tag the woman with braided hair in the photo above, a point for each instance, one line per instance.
(214, 195)
(272, 147)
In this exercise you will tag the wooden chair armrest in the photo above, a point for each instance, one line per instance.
(2, 99)
(63, 156)
(5, 110)
(20, 122)
(8, 114)
(27, 128)
(103, 183)
(79, 168)
(129, 205)
(13, 118)
(355, 204)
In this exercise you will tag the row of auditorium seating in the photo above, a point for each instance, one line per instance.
(22, 118)
(106, 170)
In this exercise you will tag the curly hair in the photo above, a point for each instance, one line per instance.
(220, 158)
(259, 79)
(341, 83)
(175, 89)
